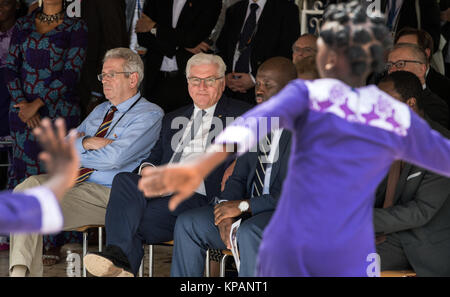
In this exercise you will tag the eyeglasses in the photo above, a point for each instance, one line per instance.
(209, 81)
(110, 75)
(303, 50)
(400, 64)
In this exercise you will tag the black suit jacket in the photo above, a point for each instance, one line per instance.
(196, 21)
(162, 151)
(435, 107)
(278, 29)
(106, 30)
(430, 17)
(440, 85)
(239, 184)
(420, 216)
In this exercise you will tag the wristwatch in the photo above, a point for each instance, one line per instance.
(243, 206)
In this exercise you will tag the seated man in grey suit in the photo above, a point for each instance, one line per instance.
(253, 189)
(412, 214)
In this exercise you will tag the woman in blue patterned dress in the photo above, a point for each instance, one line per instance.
(45, 57)
(46, 53)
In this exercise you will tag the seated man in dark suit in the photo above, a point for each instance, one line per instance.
(172, 32)
(412, 214)
(436, 82)
(252, 190)
(409, 57)
(254, 31)
(131, 219)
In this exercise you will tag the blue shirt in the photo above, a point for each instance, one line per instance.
(134, 136)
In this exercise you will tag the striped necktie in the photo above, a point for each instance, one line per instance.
(85, 173)
(195, 126)
(260, 172)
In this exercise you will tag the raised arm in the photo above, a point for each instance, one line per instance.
(285, 109)
(426, 147)
(37, 209)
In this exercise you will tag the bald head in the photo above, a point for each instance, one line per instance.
(272, 76)
(304, 46)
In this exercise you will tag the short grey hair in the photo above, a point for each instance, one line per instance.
(206, 59)
(133, 62)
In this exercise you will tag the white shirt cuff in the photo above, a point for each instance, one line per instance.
(145, 164)
(52, 217)
(242, 136)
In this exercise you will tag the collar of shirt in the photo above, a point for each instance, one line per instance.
(261, 4)
(176, 11)
(209, 111)
(124, 106)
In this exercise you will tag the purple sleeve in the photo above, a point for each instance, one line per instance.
(282, 111)
(19, 212)
(427, 148)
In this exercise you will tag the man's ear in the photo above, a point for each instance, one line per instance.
(428, 52)
(331, 61)
(411, 102)
(134, 79)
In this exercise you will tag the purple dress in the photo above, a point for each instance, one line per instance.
(344, 141)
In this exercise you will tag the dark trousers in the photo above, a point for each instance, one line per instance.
(132, 220)
(195, 232)
(392, 254)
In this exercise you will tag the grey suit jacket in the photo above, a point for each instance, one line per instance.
(420, 216)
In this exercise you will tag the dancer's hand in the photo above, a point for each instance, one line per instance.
(180, 179)
(59, 155)
(159, 181)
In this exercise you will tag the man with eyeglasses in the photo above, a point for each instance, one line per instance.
(411, 58)
(304, 46)
(115, 137)
(251, 193)
(132, 219)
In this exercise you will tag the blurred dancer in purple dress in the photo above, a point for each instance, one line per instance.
(345, 137)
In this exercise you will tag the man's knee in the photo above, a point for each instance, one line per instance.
(192, 219)
(248, 233)
(31, 182)
(124, 178)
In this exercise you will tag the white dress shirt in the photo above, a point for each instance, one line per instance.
(198, 145)
(137, 14)
(170, 64)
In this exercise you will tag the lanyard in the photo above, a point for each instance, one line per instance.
(109, 130)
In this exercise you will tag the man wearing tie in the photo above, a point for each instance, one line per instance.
(252, 190)
(115, 137)
(412, 208)
(419, 14)
(173, 31)
(132, 219)
(254, 31)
